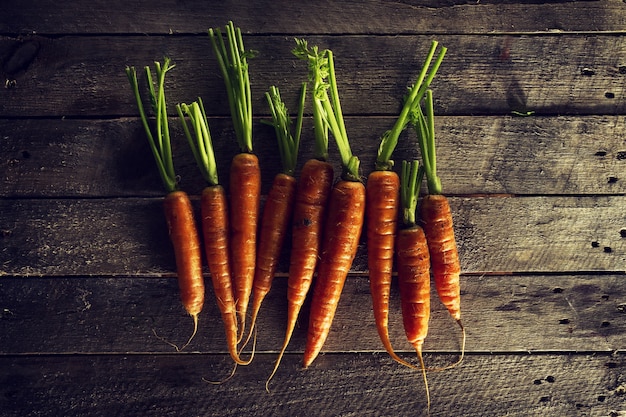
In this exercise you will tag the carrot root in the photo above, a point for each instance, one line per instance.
(382, 205)
(186, 242)
(309, 214)
(340, 242)
(444, 256)
(245, 192)
(215, 226)
(413, 267)
(274, 226)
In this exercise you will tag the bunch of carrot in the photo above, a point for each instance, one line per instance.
(325, 219)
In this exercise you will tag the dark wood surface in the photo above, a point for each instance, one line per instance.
(88, 288)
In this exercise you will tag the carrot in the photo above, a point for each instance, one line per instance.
(413, 265)
(278, 208)
(245, 202)
(214, 211)
(177, 206)
(245, 174)
(437, 219)
(383, 186)
(346, 211)
(309, 213)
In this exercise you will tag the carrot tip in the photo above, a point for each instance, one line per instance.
(175, 346)
(232, 373)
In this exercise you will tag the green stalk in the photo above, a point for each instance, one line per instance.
(410, 181)
(200, 141)
(329, 107)
(318, 71)
(288, 144)
(424, 125)
(389, 140)
(233, 63)
(159, 140)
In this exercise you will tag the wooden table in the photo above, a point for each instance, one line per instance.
(87, 276)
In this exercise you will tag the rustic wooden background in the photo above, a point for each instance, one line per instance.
(86, 267)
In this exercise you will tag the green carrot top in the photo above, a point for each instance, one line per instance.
(233, 63)
(410, 181)
(424, 124)
(416, 93)
(159, 139)
(288, 143)
(199, 142)
(327, 113)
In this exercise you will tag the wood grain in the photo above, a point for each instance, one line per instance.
(571, 155)
(502, 314)
(86, 267)
(168, 385)
(84, 76)
(348, 17)
(129, 237)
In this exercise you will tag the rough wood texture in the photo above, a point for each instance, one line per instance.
(512, 314)
(369, 385)
(479, 155)
(86, 267)
(346, 17)
(128, 236)
(84, 76)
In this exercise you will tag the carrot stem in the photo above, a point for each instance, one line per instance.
(202, 146)
(159, 139)
(424, 123)
(327, 108)
(416, 93)
(233, 63)
(288, 143)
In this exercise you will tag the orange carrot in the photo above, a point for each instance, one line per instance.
(245, 175)
(186, 242)
(278, 208)
(437, 219)
(214, 211)
(341, 238)
(177, 206)
(309, 213)
(413, 266)
(245, 201)
(382, 212)
(383, 186)
(346, 208)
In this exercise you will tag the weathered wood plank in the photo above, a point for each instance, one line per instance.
(128, 236)
(510, 314)
(353, 17)
(173, 385)
(84, 76)
(478, 155)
